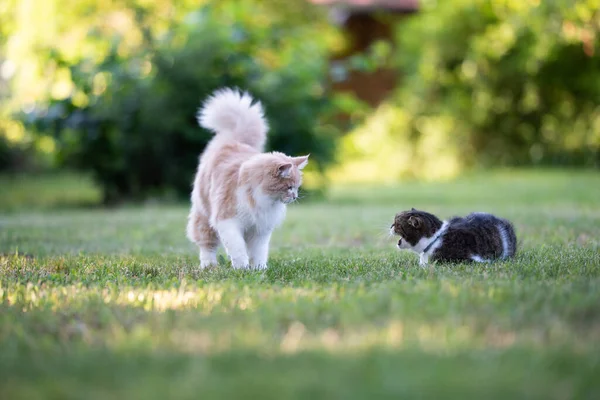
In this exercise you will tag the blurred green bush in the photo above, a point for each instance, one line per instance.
(113, 88)
(486, 82)
(130, 118)
(7, 155)
(518, 80)
(20, 152)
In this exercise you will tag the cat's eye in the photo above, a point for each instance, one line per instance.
(290, 187)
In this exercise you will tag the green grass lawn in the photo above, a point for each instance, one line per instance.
(98, 304)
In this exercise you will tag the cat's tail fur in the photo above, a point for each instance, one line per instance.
(229, 112)
(508, 237)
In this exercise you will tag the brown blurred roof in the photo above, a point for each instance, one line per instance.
(397, 5)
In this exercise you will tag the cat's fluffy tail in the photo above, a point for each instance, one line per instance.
(229, 112)
(508, 237)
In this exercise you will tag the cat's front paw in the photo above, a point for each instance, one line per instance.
(423, 260)
(240, 263)
(207, 264)
(208, 258)
(259, 267)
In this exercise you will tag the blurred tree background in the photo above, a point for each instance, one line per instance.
(485, 83)
(111, 87)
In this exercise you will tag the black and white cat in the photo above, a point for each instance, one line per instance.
(479, 237)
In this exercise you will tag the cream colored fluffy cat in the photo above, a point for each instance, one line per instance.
(240, 193)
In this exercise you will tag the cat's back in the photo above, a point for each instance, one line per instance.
(217, 175)
(478, 221)
(225, 154)
(488, 235)
(221, 161)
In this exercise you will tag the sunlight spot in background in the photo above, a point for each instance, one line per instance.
(383, 151)
(46, 144)
(101, 81)
(372, 152)
(439, 158)
(80, 99)
(63, 85)
(469, 69)
(13, 131)
(8, 69)
(146, 68)
(536, 152)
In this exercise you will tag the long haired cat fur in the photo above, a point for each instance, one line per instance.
(479, 237)
(240, 193)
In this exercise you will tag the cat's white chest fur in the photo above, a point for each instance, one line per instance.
(263, 216)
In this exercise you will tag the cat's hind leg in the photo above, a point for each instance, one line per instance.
(200, 232)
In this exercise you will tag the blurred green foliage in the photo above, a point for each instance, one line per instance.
(127, 111)
(112, 87)
(518, 81)
(48, 191)
(486, 82)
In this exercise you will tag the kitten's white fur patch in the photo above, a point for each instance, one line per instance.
(439, 236)
(424, 242)
(479, 259)
(420, 246)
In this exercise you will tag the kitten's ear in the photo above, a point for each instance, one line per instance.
(301, 161)
(284, 170)
(413, 209)
(414, 222)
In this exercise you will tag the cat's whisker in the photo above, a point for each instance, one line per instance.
(384, 233)
(302, 197)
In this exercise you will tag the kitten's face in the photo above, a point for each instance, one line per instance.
(413, 226)
(284, 179)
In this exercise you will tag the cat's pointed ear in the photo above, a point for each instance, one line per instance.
(301, 161)
(413, 209)
(284, 170)
(414, 222)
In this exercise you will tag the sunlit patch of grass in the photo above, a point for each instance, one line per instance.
(217, 317)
